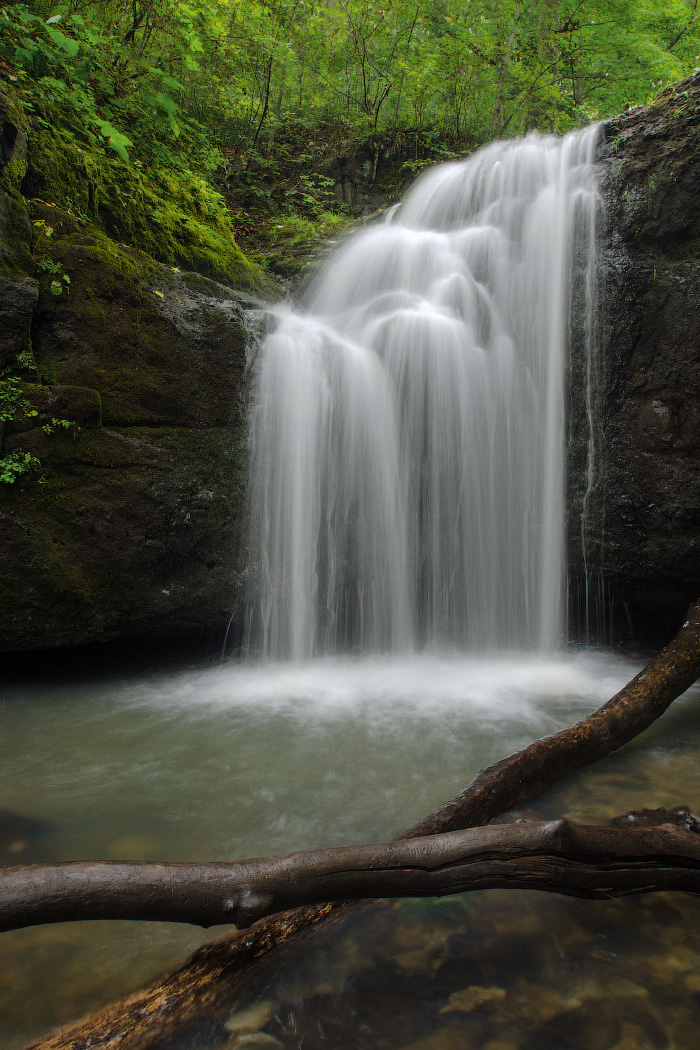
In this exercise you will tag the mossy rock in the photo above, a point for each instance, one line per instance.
(129, 532)
(15, 258)
(135, 331)
(175, 217)
(133, 525)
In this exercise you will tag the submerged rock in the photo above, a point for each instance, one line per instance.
(251, 1018)
(473, 998)
(261, 1040)
(22, 839)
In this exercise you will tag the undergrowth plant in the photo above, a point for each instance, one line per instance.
(16, 406)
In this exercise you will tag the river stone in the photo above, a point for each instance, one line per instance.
(251, 1018)
(23, 839)
(260, 1040)
(442, 1039)
(473, 998)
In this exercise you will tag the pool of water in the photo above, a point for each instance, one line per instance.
(243, 760)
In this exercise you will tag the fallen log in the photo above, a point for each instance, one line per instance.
(556, 856)
(148, 1018)
(512, 781)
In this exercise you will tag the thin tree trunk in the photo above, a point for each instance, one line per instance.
(503, 71)
(208, 980)
(266, 104)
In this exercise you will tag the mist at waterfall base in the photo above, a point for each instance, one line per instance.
(408, 433)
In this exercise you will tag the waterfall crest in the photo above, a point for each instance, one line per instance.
(408, 428)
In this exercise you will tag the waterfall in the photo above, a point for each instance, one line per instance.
(408, 427)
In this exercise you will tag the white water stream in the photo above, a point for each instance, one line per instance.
(408, 433)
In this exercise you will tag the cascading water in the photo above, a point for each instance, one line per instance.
(407, 440)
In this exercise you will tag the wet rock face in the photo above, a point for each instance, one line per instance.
(643, 534)
(133, 524)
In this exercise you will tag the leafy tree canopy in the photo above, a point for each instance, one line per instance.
(265, 87)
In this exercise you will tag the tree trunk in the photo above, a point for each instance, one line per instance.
(503, 73)
(575, 860)
(266, 103)
(148, 1018)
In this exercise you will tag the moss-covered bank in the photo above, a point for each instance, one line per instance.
(129, 385)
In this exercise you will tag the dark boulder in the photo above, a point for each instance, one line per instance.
(131, 522)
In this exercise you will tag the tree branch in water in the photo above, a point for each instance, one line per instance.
(556, 856)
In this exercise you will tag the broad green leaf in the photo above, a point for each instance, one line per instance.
(167, 103)
(70, 46)
(119, 143)
(24, 57)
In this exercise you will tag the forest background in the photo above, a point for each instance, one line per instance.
(174, 124)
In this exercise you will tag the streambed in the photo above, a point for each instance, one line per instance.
(244, 760)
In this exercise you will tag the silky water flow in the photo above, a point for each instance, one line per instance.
(408, 428)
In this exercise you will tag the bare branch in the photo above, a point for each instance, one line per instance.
(576, 860)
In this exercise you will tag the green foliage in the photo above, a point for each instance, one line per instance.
(14, 405)
(137, 110)
(84, 87)
(45, 264)
(14, 464)
(61, 424)
(229, 74)
(286, 243)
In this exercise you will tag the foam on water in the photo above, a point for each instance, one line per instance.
(387, 688)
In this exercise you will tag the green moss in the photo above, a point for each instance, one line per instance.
(70, 588)
(12, 114)
(15, 260)
(287, 244)
(176, 218)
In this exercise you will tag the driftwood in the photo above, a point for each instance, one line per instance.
(556, 856)
(145, 1020)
